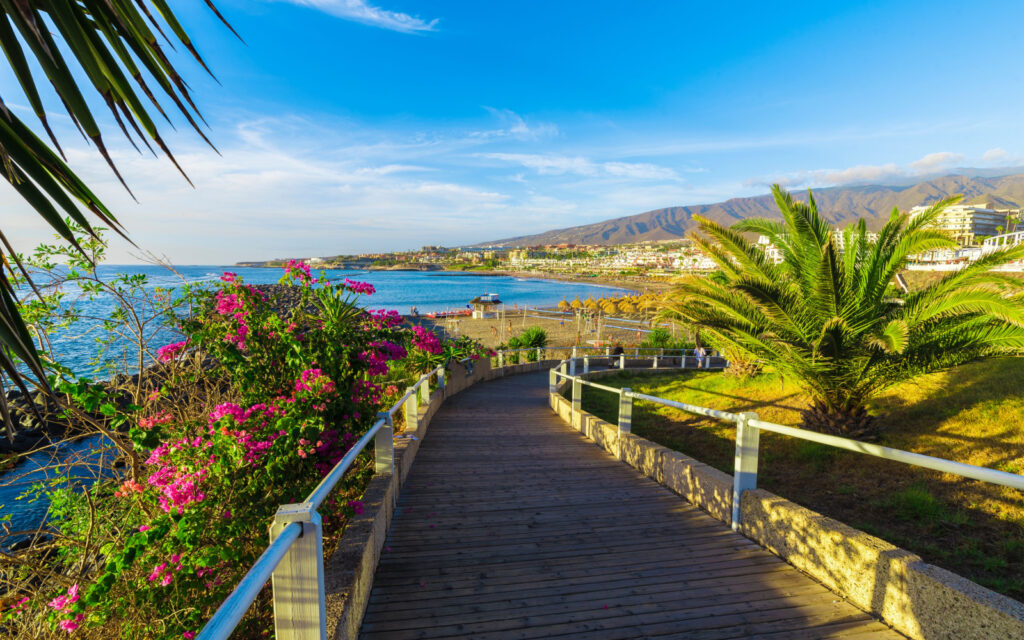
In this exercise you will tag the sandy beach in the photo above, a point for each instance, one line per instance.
(562, 332)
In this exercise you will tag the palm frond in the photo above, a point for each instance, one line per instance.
(108, 45)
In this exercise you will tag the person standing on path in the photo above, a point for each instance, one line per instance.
(700, 353)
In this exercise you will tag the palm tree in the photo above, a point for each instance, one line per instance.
(832, 318)
(116, 47)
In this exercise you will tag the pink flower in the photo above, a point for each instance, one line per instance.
(71, 624)
(166, 580)
(363, 288)
(300, 271)
(128, 487)
(189, 635)
(426, 340)
(144, 528)
(229, 276)
(357, 506)
(152, 421)
(63, 603)
(157, 570)
(171, 351)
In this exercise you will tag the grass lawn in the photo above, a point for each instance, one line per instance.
(972, 414)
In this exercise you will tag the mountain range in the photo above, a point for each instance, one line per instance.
(840, 205)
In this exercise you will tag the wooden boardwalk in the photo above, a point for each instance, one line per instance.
(511, 525)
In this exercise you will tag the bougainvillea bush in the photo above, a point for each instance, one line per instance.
(274, 399)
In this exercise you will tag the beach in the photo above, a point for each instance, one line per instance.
(564, 331)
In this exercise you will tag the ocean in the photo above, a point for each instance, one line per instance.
(399, 290)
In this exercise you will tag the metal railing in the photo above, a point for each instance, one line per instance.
(294, 560)
(662, 357)
(748, 432)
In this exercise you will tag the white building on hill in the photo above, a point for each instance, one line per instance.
(966, 223)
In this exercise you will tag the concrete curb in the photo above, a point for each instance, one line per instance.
(918, 599)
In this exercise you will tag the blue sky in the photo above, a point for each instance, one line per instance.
(351, 125)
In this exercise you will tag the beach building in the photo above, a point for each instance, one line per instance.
(967, 223)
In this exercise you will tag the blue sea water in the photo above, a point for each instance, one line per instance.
(76, 347)
(398, 290)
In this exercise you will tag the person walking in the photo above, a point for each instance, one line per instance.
(700, 353)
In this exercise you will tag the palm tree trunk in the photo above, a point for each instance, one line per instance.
(852, 422)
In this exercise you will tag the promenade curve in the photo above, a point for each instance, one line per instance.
(513, 525)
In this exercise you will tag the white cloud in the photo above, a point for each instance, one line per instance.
(936, 162)
(515, 126)
(362, 11)
(865, 174)
(999, 157)
(554, 164)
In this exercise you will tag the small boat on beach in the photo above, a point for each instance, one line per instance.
(434, 315)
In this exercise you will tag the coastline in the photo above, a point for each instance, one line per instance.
(639, 286)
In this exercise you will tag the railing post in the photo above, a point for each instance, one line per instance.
(501, 362)
(425, 391)
(622, 360)
(574, 353)
(586, 363)
(625, 411)
(572, 363)
(745, 473)
(552, 381)
(412, 411)
(298, 582)
(655, 361)
(577, 396)
(384, 446)
(538, 358)
(440, 380)
(682, 360)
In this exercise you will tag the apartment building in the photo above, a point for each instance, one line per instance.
(968, 223)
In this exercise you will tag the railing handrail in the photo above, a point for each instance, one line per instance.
(666, 351)
(984, 474)
(322, 490)
(231, 611)
(748, 426)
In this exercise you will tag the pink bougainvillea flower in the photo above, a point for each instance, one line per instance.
(71, 624)
(171, 351)
(63, 603)
(154, 420)
(362, 288)
(229, 276)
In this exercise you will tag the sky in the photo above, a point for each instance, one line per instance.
(351, 126)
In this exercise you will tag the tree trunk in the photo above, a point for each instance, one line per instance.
(854, 423)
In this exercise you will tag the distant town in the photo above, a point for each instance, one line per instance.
(978, 229)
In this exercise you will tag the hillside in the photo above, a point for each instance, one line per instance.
(841, 205)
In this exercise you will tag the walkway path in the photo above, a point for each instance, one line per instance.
(511, 525)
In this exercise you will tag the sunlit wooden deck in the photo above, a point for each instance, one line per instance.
(511, 525)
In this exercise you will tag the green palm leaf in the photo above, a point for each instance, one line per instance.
(112, 44)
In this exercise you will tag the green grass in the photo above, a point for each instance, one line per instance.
(972, 414)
